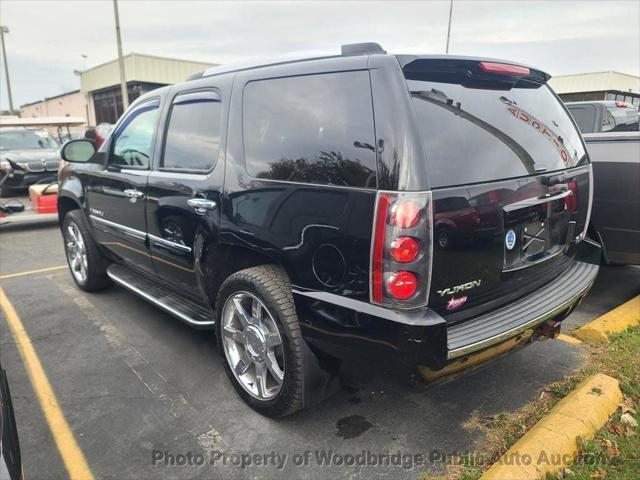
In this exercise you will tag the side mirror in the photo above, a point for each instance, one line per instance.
(78, 151)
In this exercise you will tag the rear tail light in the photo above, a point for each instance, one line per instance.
(504, 68)
(402, 285)
(405, 214)
(404, 249)
(401, 253)
(571, 202)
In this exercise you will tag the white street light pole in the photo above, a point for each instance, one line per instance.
(449, 28)
(123, 81)
(4, 29)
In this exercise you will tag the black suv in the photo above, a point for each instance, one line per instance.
(427, 207)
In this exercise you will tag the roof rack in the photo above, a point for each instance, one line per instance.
(351, 49)
(362, 48)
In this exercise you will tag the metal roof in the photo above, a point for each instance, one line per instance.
(140, 68)
(596, 82)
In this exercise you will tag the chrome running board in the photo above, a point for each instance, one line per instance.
(195, 314)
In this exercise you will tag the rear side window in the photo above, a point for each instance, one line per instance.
(193, 132)
(585, 117)
(486, 129)
(312, 129)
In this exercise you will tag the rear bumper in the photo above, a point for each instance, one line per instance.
(342, 326)
(549, 302)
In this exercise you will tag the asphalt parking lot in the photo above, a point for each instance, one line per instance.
(139, 388)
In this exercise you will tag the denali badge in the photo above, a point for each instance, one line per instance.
(456, 303)
(510, 240)
(459, 288)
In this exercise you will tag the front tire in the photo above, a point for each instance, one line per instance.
(87, 264)
(259, 340)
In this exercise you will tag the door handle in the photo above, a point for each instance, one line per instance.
(201, 205)
(133, 193)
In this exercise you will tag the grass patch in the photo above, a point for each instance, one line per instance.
(613, 454)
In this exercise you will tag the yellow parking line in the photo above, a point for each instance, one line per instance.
(569, 339)
(31, 272)
(73, 458)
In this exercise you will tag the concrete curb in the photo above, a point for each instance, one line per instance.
(552, 443)
(617, 320)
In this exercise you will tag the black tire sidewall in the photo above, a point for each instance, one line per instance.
(96, 265)
(281, 404)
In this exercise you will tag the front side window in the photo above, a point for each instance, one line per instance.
(193, 133)
(311, 129)
(133, 140)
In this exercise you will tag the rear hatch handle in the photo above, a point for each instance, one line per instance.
(528, 202)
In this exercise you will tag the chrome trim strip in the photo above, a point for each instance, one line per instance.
(587, 219)
(169, 243)
(459, 352)
(528, 202)
(536, 262)
(176, 174)
(134, 171)
(158, 303)
(127, 230)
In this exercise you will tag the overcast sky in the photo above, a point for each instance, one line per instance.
(48, 38)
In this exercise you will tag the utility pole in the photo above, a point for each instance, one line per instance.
(449, 28)
(123, 81)
(4, 29)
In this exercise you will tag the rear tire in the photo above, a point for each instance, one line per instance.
(259, 340)
(87, 264)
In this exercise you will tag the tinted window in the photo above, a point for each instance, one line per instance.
(193, 133)
(585, 117)
(313, 129)
(132, 141)
(489, 130)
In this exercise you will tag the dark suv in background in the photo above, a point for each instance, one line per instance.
(295, 206)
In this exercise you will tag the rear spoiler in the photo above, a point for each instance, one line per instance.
(472, 72)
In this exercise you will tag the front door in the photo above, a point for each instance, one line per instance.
(184, 188)
(117, 195)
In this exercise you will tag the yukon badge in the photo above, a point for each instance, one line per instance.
(459, 288)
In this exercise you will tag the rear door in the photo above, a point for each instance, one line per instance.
(116, 195)
(509, 176)
(185, 186)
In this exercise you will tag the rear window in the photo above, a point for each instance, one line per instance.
(311, 129)
(585, 117)
(620, 119)
(484, 130)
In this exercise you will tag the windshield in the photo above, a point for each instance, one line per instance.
(26, 140)
(482, 130)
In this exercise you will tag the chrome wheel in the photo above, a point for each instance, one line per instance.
(76, 253)
(252, 345)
